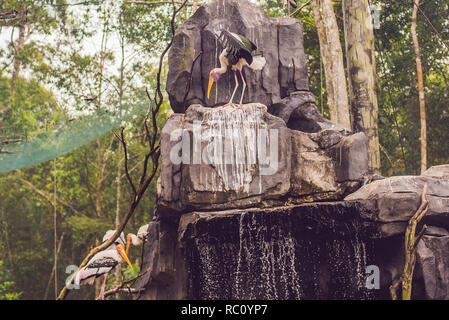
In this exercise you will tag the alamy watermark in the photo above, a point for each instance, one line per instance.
(373, 19)
(71, 285)
(373, 277)
(222, 143)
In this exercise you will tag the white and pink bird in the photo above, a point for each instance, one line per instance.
(238, 51)
(136, 240)
(104, 262)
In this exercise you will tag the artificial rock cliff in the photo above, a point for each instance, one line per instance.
(273, 201)
(279, 40)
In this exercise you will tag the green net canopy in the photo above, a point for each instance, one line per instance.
(66, 137)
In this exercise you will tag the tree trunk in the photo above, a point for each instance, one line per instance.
(422, 103)
(117, 208)
(53, 269)
(55, 218)
(326, 57)
(338, 69)
(359, 39)
(18, 47)
(100, 178)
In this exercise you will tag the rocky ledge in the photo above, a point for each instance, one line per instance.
(225, 157)
(320, 250)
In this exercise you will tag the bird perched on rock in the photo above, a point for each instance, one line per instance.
(104, 262)
(238, 51)
(136, 240)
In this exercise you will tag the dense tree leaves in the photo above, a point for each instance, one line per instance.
(100, 57)
(399, 124)
(105, 78)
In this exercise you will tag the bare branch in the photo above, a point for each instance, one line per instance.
(125, 151)
(154, 3)
(154, 153)
(47, 196)
(5, 142)
(119, 288)
(410, 250)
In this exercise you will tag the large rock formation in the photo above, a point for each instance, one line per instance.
(279, 40)
(254, 203)
(397, 199)
(225, 158)
(320, 250)
(310, 251)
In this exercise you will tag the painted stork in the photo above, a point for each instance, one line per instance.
(238, 51)
(136, 240)
(104, 262)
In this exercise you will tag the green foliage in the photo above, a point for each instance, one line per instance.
(32, 107)
(93, 93)
(7, 287)
(69, 101)
(399, 121)
(85, 229)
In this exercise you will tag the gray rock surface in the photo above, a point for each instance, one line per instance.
(351, 156)
(221, 158)
(438, 172)
(309, 251)
(433, 259)
(299, 112)
(227, 157)
(279, 40)
(320, 162)
(399, 197)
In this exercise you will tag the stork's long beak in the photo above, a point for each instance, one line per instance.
(128, 242)
(211, 82)
(121, 251)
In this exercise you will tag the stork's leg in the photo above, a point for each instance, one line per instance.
(235, 88)
(101, 296)
(243, 90)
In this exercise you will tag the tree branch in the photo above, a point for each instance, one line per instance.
(297, 11)
(119, 288)
(125, 151)
(47, 196)
(156, 3)
(410, 250)
(154, 153)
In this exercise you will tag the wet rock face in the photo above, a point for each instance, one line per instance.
(433, 259)
(395, 200)
(320, 250)
(279, 40)
(223, 157)
(309, 251)
(398, 197)
(313, 251)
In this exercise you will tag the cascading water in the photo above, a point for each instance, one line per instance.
(233, 138)
(287, 254)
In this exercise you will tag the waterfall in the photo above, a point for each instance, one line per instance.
(233, 137)
(278, 255)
